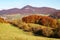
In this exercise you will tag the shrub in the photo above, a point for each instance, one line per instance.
(3, 21)
(42, 20)
(48, 32)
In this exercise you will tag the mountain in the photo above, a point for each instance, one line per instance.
(43, 10)
(56, 14)
(29, 10)
(10, 11)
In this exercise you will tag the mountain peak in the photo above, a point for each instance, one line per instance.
(27, 7)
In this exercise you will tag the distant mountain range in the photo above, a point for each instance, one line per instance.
(29, 10)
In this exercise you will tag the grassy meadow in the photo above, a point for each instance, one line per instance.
(10, 32)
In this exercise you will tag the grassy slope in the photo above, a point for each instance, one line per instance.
(9, 32)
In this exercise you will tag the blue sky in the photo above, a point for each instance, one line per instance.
(7, 4)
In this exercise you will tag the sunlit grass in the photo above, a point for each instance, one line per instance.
(10, 32)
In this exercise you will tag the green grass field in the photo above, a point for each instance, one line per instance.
(10, 32)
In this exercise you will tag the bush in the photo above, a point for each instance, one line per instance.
(42, 20)
(47, 32)
(3, 21)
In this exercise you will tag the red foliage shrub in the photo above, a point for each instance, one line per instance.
(43, 20)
